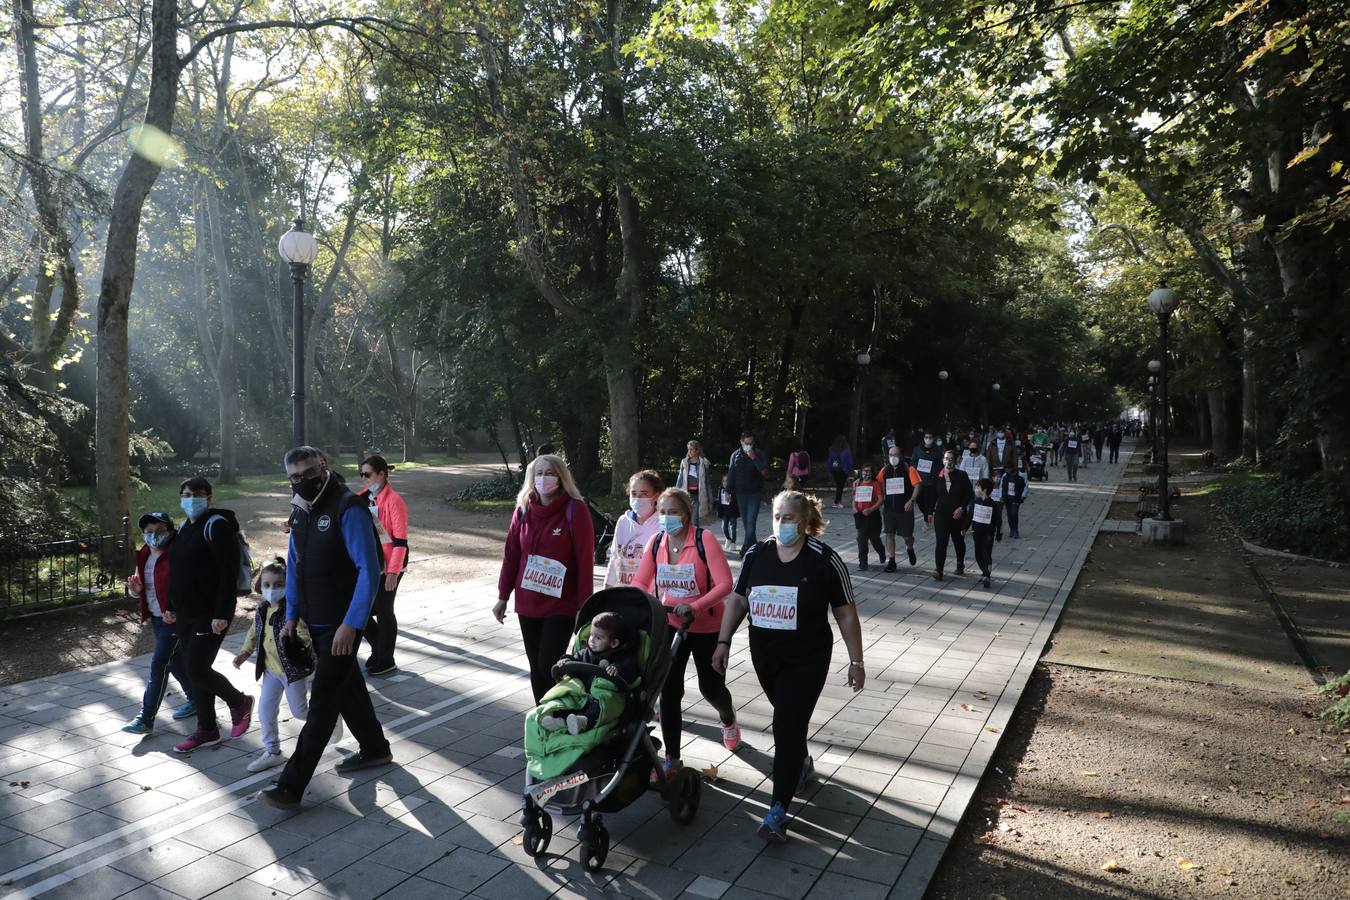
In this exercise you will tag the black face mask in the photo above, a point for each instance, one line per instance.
(309, 488)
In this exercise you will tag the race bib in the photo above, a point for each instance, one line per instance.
(895, 486)
(862, 493)
(726, 498)
(996, 495)
(983, 514)
(925, 466)
(628, 569)
(1073, 445)
(544, 575)
(676, 581)
(773, 606)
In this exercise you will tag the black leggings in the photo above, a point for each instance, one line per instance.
(793, 686)
(712, 684)
(546, 639)
(382, 628)
(839, 477)
(200, 645)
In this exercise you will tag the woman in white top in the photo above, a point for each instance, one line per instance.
(693, 480)
(635, 528)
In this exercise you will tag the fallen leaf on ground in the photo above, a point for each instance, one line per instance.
(710, 773)
(991, 730)
(968, 708)
(1103, 815)
(1095, 796)
(1114, 867)
(1187, 864)
(518, 839)
(1088, 774)
(146, 787)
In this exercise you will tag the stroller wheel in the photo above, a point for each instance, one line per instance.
(538, 830)
(684, 796)
(594, 846)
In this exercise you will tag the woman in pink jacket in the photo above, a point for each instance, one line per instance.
(549, 563)
(391, 513)
(687, 570)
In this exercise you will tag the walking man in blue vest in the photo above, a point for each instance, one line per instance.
(332, 575)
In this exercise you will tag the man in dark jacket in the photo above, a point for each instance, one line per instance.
(332, 574)
(203, 574)
(745, 474)
(927, 461)
(952, 493)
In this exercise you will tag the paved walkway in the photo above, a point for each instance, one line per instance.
(89, 812)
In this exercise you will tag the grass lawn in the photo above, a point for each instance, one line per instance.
(161, 495)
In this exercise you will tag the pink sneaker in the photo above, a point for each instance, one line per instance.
(731, 736)
(241, 716)
(198, 739)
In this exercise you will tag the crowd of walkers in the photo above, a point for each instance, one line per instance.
(348, 549)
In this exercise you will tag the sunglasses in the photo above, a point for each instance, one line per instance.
(368, 475)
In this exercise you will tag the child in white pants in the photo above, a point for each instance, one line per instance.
(277, 668)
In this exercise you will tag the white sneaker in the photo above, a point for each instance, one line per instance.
(577, 724)
(338, 733)
(266, 761)
(552, 723)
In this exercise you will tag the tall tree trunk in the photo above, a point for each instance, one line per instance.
(113, 414)
(227, 377)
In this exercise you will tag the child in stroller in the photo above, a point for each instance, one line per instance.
(610, 648)
(607, 766)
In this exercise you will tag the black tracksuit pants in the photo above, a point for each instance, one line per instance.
(711, 683)
(792, 684)
(337, 690)
(945, 528)
(200, 646)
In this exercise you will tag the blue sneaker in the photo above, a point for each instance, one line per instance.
(139, 725)
(808, 772)
(774, 827)
(186, 711)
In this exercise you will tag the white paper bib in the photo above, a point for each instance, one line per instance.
(862, 493)
(676, 580)
(544, 575)
(895, 486)
(925, 466)
(983, 514)
(773, 606)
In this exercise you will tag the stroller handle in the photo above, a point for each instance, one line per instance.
(588, 670)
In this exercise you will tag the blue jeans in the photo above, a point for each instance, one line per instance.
(749, 504)
(168, 660)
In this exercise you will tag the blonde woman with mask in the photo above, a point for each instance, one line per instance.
(548, 564)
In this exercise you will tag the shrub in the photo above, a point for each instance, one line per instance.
(1307, 517)
(499, 487)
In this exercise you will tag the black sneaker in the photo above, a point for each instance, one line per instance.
(986, 581)
(862, 567)
(960, 568)
(998, 536)
(280, 797)
(913, 557)
(358, 761)
(377, 669)
(890, 565)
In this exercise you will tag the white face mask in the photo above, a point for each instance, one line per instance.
(642, 506)
(747, 447)
(546, 485)
(895, 460)
(274, 595)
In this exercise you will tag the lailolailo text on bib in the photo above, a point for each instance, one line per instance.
(544, 575)
(676, 580)
(773, 606)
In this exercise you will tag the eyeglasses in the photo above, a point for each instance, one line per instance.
(367, 475)
(311, 472)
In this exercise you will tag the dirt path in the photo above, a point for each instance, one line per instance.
(447, 545)
(1170, 728)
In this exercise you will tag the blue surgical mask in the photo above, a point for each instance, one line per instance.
(671, 524)
(193, 506)
(274, 595)
(785, 532)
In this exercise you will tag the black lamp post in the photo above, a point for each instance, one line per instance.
(946, 416)
(1163, 301)
(1154, 367)
(298, 248)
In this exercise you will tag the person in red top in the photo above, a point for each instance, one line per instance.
(391, 515)
(150, 586)
(687, 570)
(549, 563)
(868, 493)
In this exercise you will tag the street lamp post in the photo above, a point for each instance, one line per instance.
(993, 413)
(1163, 301)
(946, 416)
(864, 359)
(298, 248)
(1154, 367)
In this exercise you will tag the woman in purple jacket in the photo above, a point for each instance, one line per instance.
(840, 462)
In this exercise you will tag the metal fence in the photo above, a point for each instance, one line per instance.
(77, 570)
